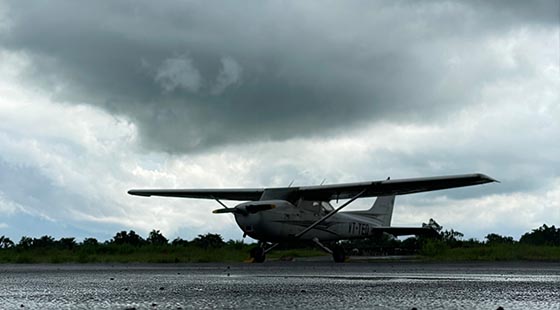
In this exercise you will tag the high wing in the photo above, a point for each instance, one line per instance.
(326, 192)
(392, 187)
(244, 194)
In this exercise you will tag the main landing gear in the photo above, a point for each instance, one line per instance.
(338, 254)
(337, 251)
(258, 253)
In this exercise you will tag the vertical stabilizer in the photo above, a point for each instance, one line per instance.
(383, 209)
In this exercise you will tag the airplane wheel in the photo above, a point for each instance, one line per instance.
(257, 254)
(339, 256)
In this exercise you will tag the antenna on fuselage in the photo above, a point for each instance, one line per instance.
(290, 185)
(322, 182)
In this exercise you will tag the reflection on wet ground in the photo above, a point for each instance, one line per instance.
(281, 285)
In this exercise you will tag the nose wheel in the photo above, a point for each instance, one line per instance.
(258, 253)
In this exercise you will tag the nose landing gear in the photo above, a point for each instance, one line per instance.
(257, 254)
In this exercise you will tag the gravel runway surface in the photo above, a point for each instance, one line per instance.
(282, 285)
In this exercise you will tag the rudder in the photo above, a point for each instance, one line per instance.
(383, 209)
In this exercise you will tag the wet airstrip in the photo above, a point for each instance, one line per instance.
(282, 285)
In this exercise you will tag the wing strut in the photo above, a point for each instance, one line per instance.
(333, 212)
(218, 200)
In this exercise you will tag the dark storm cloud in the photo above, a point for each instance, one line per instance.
(193, 75)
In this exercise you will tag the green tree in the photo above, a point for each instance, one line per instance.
(25, 242)
(120, 237)
(67, 243)
(471, 243)
(179, 242)
(433, 225)
(209, 241)
(235, 244)
(6, 243)
(131, 238)
(543, 235)
(155, 237)
(497, 239)
(452, 238)
(44, 242)
(90, 242)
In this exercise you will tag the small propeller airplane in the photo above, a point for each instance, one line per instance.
(283, 214)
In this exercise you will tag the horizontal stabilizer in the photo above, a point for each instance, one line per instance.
(407, 231)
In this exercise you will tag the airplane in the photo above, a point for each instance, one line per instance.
(284, 214)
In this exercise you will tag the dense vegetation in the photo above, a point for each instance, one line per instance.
(542, 243)
(127, 247)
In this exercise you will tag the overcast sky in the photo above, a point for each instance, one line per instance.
(97, 97)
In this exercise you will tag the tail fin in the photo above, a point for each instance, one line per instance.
(383, 209)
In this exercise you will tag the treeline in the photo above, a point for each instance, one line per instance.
(130, 238)
(542, 243)
(544, 235)
(123, 247)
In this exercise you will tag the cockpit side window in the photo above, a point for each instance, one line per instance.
(317, 207)
(326, 206)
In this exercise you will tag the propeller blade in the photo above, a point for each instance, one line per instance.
(229, 210)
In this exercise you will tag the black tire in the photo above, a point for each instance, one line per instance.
(338, 254)
(257, 254)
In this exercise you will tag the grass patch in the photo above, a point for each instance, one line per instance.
(432, 250)
(126, 254)
(143, 254)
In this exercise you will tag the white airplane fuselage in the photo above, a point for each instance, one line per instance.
(284, 221)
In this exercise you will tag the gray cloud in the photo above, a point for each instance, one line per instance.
(229, 75)
(346, 91)
(178, 73)
(195, 75)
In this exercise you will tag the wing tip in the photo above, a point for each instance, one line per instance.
(136, 192)
(487, 178)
